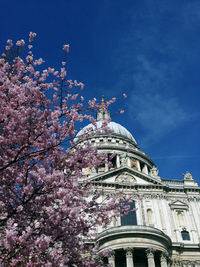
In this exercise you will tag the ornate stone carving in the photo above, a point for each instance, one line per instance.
(176, 262)
(188, 176)
(154, 196)
(125, 178)
(150, 252)
(163, 256)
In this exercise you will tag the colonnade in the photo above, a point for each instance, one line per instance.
(129, 252)
(123, 162)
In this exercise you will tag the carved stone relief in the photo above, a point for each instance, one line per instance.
(125, 178)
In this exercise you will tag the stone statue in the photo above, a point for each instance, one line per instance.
(154, 171)
(188, 176)
(124, 159)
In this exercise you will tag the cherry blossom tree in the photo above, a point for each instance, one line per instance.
(48, 211)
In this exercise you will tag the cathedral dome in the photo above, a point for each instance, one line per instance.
(116, 129)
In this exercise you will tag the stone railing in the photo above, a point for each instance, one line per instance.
(171, 181)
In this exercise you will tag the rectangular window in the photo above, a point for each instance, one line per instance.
(185, 235)
(130, 218)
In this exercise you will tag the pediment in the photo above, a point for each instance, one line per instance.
(178, 204)
(125, 176)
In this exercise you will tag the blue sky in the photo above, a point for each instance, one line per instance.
(148, 49)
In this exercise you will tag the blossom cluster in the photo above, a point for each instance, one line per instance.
(46, 213)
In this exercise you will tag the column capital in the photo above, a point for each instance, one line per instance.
(163, 256)
(150, 252)
(129, 252)
(112, 257)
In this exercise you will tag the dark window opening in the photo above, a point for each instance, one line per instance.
(112, 161)
(130, 218)
(185, 235)
(142, 165)
(101, 168)
(120, 258)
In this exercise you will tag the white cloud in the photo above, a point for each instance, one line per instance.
(157, 115)
(149, 67)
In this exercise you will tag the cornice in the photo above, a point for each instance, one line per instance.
(135, 231)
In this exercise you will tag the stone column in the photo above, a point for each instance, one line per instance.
(128, 162)
(129, 257)
(111, 260)
(118, 161)
(150, 257)
(163, 259)
(145, 169)
(106, 167)
(138, 165)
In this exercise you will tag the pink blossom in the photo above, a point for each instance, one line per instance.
(9, 41)
(20, 43)
(74, 97)
(124, 95)
(32, 36)
(63, 73)
(45, 210)
(66, 48)
(10, 44)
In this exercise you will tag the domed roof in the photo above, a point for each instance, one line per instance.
(116, 128)
(102, 116)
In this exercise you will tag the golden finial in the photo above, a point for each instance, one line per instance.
(102, 100)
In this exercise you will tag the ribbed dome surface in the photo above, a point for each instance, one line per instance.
(116, 128)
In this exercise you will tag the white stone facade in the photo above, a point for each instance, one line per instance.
(166, 231)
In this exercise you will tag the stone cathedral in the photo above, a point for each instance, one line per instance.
(164, 230)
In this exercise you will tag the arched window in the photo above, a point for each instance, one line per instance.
(149, 216)
(130, 218)
(185, 235)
